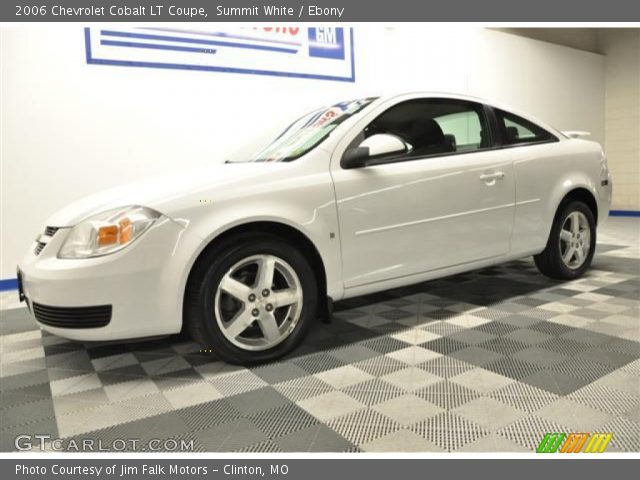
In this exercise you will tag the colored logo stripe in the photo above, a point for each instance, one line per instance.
(574, 442)
(550, 442)
(598, 442)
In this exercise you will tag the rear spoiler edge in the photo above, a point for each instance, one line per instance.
(576, 134)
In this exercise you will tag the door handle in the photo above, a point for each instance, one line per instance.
(492, 177)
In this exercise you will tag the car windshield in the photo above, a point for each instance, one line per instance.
(309, 131)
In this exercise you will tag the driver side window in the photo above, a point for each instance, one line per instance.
(432, 127)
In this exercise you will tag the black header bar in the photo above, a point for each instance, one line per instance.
(268, 11)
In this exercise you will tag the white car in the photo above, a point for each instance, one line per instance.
(350, 199)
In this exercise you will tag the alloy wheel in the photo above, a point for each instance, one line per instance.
(575, 240)
(258, 302)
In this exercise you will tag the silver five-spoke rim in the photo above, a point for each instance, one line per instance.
(575, 240)
(258, 302)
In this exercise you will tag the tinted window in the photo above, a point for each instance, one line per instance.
(433, 126)
(464, 127)
(516, 130)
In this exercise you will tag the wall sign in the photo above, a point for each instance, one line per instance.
(323, 53)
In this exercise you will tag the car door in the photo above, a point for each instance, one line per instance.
(439, 205)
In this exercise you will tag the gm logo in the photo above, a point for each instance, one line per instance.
(326, 42)
(574, 443)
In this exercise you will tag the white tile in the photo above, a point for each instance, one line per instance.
(415, 336)
(408, 409)
(22, 355)
(218, 370)
(468, 321)
(401, 441)
(330, 405)
(489, 413)
(414, 355)
(114, 361)
(342, 377)
(482, 380)
(623, 321)
(79, 383)
(558, 307)
(574, 415)
(20, 337)
(189, 395)
(130, 389)
(108, 415)
(608, 307)
(411, 378)
(593, 297)
(165, 365)
(571, 320)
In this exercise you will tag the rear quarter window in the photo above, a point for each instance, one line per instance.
(515, 130)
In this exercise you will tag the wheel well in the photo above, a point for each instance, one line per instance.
(585, 196)
(287, 233)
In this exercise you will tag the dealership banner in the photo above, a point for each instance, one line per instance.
(324, 53)
(319, 11)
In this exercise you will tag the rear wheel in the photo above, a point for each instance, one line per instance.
(251, 300)
(571, 243)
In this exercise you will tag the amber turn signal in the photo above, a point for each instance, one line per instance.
(107, 235)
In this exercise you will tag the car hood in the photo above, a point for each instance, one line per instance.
(159, 192)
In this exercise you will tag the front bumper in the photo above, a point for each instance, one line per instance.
(140, 286)
(73, 317)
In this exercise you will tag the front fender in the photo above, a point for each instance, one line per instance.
(314, 215)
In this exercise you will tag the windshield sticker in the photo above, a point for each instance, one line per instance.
(309, 131)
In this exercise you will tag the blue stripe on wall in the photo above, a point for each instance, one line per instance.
(153, 46)
(8, 284)
(218, 43)
(624, 213)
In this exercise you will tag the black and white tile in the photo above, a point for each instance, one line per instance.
(485, 361)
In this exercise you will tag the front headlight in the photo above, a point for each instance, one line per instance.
(107, 232)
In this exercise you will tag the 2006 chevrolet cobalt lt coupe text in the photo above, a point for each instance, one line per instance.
(358, 197)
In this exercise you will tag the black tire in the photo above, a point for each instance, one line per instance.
(199, 311)
(550, 261)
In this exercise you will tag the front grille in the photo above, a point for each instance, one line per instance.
(73, 317)
(39, 247)
(50, 231)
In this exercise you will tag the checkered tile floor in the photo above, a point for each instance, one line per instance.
(484, 361)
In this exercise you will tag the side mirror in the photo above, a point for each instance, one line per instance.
(376, 146)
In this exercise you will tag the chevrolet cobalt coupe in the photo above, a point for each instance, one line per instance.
(350, 199)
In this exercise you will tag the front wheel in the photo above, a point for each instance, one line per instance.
(571, 244)
(251, 300)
